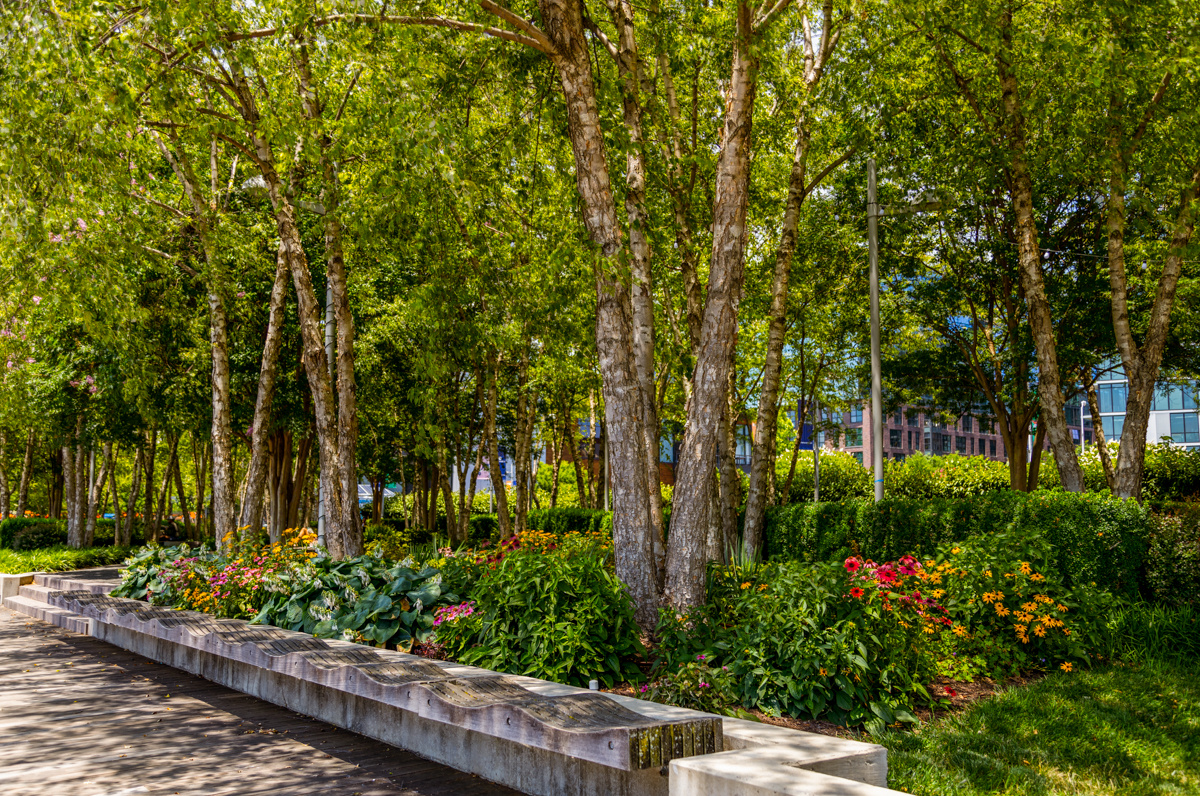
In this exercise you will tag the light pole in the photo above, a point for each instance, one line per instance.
(873, 214)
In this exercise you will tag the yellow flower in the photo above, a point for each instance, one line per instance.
(746, 585)
(823, 672)
(1040, 631)
(987, 573)
(955, 551)
(1042, 598)
(989, 597)
(1036, 576)
(1029, 606)
(1019, 628)
(1066, 667)
(1001, 610)
(928, 630)
(762, 587)
(960, 631)
(1025, 568)
(1062, 608)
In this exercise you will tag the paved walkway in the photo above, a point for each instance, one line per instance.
(80, 717)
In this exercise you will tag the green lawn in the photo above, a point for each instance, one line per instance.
(1119, 730)
(60, 559)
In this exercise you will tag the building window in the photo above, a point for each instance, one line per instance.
(856, 414)
(928, 443)
(898, 458)
(913, 418)
(742, 454)
(854, 438)
(946, 443)
(1112, 397)
(1184, 427)
(895, 438)
(1113, 426)
(960, 445)
(966, 423)
(971, 446)
(666, 450)
(992, 448)
(899, 417)
(1175, 398)
(586, 430)
(858, 456)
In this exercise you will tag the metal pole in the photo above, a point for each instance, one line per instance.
(876, 370)
(1082, 430)
(329, 326)
(816, 437)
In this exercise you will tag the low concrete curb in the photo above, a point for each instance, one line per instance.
(759, 759)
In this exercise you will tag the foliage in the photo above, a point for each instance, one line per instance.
(234, 584)
(1114, 729)
(561, 615)
(39, 536)
(1173, 569)
(697, 684)
(10, 527)
(60, 559)
(1095, 537)
(366, 599)
(809, 641)
(1142, 632)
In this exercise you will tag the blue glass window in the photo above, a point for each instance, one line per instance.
(854, 437)
(856, 414)
(1185, 427)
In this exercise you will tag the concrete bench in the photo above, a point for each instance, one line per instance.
(532, 735)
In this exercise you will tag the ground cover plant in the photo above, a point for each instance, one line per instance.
(1129, 729)
(546, 606)
(60, 559)
(294, 585)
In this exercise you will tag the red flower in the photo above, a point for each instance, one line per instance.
(951, 692)
(852, 564)
(856, 592)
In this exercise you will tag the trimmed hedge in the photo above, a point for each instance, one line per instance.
(39, 537)
(1096, 538)
(11, 527)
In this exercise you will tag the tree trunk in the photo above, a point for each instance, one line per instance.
(347, 412)
(5, 491)
(493, 445)
(164, 494)
(149, 527)
(26, 473)
(256, 476)
(82, 482)
(183, 501)
(1053, 417)
(1142, 366)
(731, 481)
(200, 465)
(89, 535)
(762, 454)
(116, 497)
(1035, 457)
(134, 490)
(685, 563)
(73, 537)
(1098, 438)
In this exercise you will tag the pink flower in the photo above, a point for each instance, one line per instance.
(37, 299)
(82, 224)
(852, 564)
(241, 293)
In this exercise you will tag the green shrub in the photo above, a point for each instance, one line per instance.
(801, 640)
(10, 527)
(60, 559)
(39, 536)
(562, 615)
(842, 477)
(562, 521)
(1096, 538)
(1173, 563)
